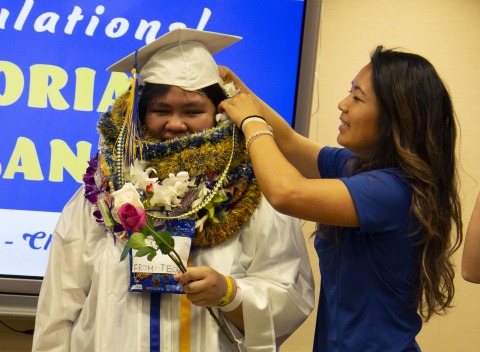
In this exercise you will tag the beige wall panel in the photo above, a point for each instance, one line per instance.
(447, 32)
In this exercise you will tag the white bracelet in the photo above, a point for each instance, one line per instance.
(251, 119)
(234, 303)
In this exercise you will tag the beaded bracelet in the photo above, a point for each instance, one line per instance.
(236, 301)
(257, 134)
(226, 299)
(249, 119)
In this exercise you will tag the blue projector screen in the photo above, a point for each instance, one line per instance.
(54, 86)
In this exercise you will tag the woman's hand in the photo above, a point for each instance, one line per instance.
(240, 106)
(203, 285)
(228, 76)
(244, 104)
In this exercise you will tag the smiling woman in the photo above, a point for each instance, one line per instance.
(385, 204)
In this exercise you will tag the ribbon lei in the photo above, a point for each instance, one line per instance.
(128, 143)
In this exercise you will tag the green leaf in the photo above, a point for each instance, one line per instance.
(125, 252)
(137, 240)
(142, 252)
(152, 255)
(164, 241)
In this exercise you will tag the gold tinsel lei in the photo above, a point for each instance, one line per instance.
(205, 152)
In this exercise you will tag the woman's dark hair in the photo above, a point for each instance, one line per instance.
(417, 134)
(151, 91)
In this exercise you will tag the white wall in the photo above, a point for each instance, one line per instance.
(447, 32)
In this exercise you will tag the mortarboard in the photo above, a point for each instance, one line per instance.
(182, 57)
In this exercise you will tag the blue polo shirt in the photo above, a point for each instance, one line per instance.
(369, 275)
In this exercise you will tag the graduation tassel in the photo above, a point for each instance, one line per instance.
(129, 142)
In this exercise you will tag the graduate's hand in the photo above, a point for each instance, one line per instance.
(203, 285)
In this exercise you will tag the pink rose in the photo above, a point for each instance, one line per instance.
(132, 218)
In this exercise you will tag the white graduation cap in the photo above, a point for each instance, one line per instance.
(182, 57)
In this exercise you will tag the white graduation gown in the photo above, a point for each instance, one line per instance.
(85, 306)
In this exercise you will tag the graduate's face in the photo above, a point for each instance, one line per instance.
(178, 113)
(359, 118)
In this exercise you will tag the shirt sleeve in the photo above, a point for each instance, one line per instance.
(331, 161)
(382, 199)
(277, 281)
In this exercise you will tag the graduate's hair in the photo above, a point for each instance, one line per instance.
(417, 134)
(150, 91)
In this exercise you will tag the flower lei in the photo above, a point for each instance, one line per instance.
(176, 176)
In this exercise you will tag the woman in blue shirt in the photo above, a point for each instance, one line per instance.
(385, 204)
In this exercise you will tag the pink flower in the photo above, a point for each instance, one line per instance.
(132, 218)
(149, 191)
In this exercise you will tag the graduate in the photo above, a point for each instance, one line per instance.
(168, 163)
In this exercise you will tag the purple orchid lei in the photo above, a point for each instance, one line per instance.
(91, 189)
